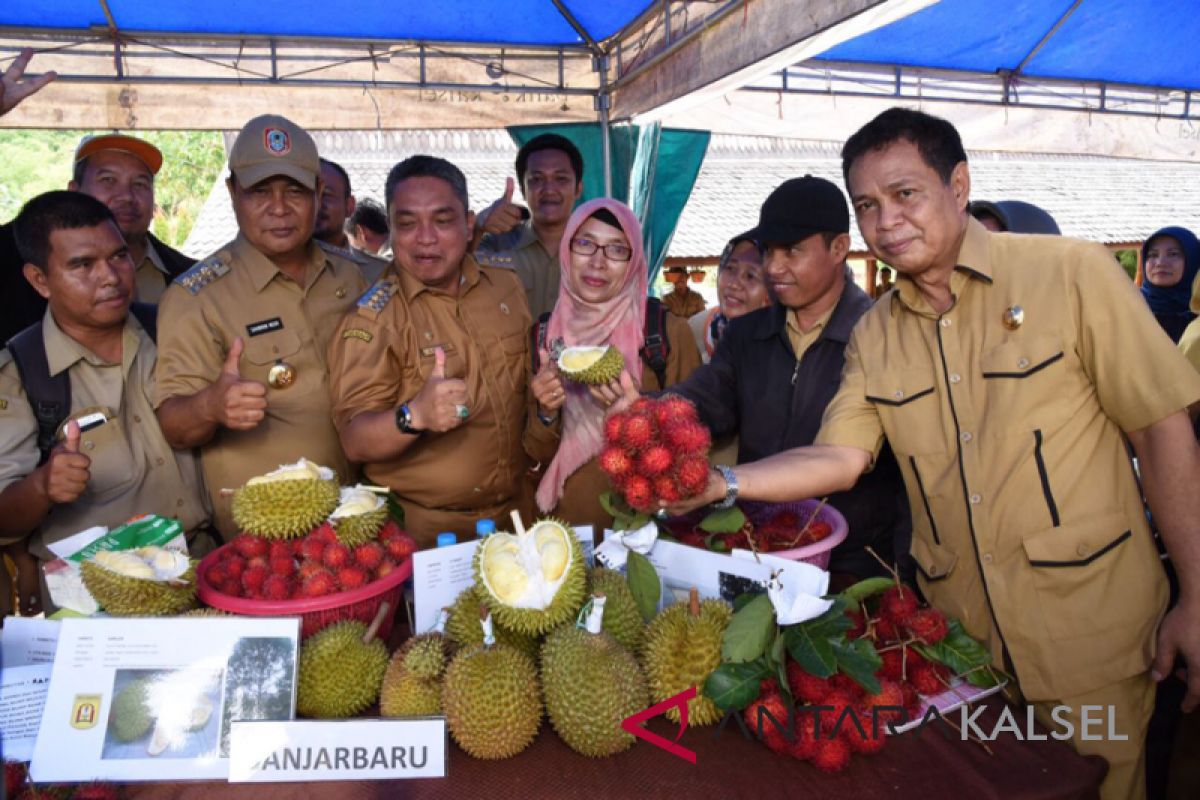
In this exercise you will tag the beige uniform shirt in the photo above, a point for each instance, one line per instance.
(684, 305)
(239, 292)
(1189, 343)
(802, 340)
(523, 252)
(151, 276)
(1028, 524)
(383, 354)
(371, 267)
(134, 471)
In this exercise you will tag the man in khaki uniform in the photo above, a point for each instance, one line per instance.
(550, 171)
(681, 300)
(1006, 372)
(110, 461)
(337, 203)
(430, 375)
(241, 368)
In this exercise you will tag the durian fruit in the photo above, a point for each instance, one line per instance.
(491, 698)
(359, 515)
(131, 718)
(205, 612)
(622, 618)
(683, 646)
(535, 579)
(591, 683)
(412, 685)
(287, 502)
(146, 582)
(341, 669)
(591, 365)
(464, 632)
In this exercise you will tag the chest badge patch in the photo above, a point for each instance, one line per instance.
(357, 333)
(1013, 317)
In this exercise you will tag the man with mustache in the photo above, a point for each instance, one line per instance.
(94, 453)
(550, 171)
(242, 361)
(337, 203)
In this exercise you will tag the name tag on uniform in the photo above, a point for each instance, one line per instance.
(264, 326)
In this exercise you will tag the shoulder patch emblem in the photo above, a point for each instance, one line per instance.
(378, 296)
(204, 273)
(357, 333)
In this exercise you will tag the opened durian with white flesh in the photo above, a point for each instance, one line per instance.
(591, 365)
(359, 515)
(146, 582)
(286, 502)
(534, 579)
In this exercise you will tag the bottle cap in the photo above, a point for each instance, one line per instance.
(483, 527)
(446, 538)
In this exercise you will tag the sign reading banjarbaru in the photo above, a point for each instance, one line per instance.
(327, 750)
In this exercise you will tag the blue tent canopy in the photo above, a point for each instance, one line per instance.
(1132, 42)
(515, 22)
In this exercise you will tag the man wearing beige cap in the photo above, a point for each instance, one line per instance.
(243, 335)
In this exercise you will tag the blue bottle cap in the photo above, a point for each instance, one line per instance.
(483, 527)
(446, 539)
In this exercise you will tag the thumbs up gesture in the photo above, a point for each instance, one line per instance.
(547, 385)
(503, 215)
(234, 402)
(67, 471)
(440, 404)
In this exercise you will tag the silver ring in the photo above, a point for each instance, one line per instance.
(461, 410)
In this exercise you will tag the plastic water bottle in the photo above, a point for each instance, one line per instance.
(446, 539)
(484, 527)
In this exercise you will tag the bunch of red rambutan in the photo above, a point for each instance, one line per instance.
(657, 450)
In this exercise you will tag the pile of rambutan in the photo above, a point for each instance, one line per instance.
(656, 450)
(314, 565)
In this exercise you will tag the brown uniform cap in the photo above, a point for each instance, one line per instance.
(271, 145)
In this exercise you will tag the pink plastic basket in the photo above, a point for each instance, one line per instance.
(816, 554)
(316, 612)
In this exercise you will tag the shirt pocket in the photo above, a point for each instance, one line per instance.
(113, 469)
(1087, 575)
(1023, 382)
(907, 403)
(933, 562)
(263, 351)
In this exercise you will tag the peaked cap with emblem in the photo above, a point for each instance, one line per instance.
(271, 145)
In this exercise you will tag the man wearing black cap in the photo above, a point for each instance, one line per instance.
(788, 358)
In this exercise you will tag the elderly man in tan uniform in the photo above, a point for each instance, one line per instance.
(79, 443)
(241, 368)
(1006, 372)
(430, 375)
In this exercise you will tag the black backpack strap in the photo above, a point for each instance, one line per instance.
(538, 337)
(49, 397)
(147, 315)
(655, 345)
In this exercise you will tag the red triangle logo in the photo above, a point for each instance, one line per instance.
(633, 724)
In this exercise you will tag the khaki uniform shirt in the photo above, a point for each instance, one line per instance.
(134, 471)
(523, 252)
(1189, 343)
(1028, 524)
(684, 305)
(151, 276)
(802, 340)
(371, 267)
(239, 292)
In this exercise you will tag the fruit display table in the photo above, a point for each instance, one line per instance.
(913, 766)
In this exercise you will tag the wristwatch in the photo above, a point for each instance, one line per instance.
(404, 421)
(731, 487)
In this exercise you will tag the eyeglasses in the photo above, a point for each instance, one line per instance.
(613, 252)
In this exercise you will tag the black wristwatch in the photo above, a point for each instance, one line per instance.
(404, 421)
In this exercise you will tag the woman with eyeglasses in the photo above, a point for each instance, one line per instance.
(601, 301)
(740, 290)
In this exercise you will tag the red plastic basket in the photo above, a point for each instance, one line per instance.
(315, 612)
(816, 554)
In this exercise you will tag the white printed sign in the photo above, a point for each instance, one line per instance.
(338, 750)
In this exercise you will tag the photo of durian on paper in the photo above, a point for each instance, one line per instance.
(163, 713)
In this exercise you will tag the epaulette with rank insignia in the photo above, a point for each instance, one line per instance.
(378, 296)
(204, 272)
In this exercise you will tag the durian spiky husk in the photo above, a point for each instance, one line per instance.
(339, 675)
(591, 683)
(359, 516)
(205, 612)
(123, 596)
(680, 651)
(492, 701)
(286, 503)
(464, 632)
(533, 582)
(622, 618)
(591, 365)
(425, 655)
(130, 718)
(412, 685)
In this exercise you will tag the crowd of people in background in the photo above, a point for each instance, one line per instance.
(974, 422)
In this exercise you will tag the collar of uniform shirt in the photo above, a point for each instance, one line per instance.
(263, 271)
(412, 286)
(62, 352)
(974, 262)
(154, 258)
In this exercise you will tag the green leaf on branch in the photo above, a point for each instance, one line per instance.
(811, 650)
(833, 623)
(866, 588)
(962, 654)
(749, 631)
(644, 584)
(727, 520)
(859, 661)
(732, 687)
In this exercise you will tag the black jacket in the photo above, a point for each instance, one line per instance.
(755, 387)
(21, 306)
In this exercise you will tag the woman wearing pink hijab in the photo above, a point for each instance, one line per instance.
(601, 301)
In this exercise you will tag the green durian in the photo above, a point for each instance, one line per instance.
(591, 683)
(341, 671)
(147, 582)
(463, 630)
(359, 516)
(287, 502)
(622, 618)
(682, 648)
(131, 717)
(591, 365)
